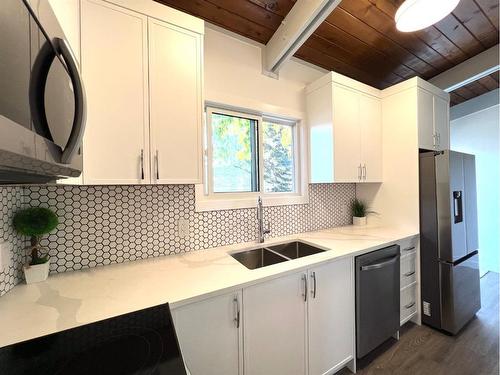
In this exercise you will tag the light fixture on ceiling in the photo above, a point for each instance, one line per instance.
(415, 15)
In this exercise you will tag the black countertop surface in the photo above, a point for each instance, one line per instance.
(138, 343)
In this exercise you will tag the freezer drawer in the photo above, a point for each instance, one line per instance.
(460, 292)
(377, 298)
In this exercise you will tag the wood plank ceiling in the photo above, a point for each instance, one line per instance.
(473, 89)
(359, 38)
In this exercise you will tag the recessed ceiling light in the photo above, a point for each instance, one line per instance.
(415, 15)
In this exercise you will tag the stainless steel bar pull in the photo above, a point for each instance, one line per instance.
(237, 313)
(157, 165)
(381, 264)
(313, 291)
(142, 164)
(304, 279)
(410, 305)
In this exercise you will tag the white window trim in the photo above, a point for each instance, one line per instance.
(227, 201)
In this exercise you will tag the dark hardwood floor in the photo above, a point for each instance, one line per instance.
(424, 351)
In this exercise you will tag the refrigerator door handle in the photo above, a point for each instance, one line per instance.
(458, 212)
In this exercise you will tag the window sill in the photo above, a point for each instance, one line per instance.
(206, 203)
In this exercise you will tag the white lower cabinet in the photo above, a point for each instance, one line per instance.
(409, 280)
(301, 323)
(331, 317)
(274, 321)
(298, 324)
(210, 335)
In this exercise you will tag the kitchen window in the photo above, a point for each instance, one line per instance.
(249, 155)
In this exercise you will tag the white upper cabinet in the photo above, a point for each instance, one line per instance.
(425, 120)
(143, 78)
(347, 135)
(442, 122)
(175, 74)
(114, 64)
(370, 113)
(433, 120)
(345, 120)
(210, 335)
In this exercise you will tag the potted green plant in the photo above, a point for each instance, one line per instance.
(35, 222)
(359, 211)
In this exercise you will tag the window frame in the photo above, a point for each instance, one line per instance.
(207, 200)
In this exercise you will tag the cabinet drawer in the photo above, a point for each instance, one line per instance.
(408, 301)
(408, 245)
(408, 274)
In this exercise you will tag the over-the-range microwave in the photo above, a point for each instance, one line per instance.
(42, 99)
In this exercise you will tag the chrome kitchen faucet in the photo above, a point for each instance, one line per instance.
(260, 218)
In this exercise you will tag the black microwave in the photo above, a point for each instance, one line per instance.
(42, 98)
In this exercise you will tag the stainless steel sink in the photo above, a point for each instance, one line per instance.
(296, 249)
(269, 255)
(258, 258)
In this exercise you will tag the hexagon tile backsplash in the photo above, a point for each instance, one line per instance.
(11, 200)
(112, 224)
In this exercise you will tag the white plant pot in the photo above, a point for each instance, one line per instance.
(36, 273)
(359, 221)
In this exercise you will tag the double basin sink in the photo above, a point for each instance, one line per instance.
(269, 255)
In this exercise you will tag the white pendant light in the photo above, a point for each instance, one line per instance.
(415, 15)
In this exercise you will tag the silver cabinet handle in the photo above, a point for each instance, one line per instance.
(434, 140)
(304, 279)
(237, 316)
(410, 305)
(364, 172)
(409, 248)
(439, 139)
(409, 274)
(313, 291)
(359, 172)
(142, 164)
(157, 165)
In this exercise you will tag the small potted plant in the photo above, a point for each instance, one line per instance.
(359, 211)
(35, 222)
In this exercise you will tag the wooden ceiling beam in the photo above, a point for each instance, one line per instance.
(468, 71)
(298, 25)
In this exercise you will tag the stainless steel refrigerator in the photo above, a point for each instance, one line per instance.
(448, 240)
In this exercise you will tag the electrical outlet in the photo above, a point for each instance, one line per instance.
(183, 228)
(344, 209)
(5, 255)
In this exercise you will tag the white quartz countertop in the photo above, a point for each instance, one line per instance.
(71, 299)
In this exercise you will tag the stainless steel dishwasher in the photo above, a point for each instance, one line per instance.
(377, 298)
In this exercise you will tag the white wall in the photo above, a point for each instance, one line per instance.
(233, 76)
(478, 133)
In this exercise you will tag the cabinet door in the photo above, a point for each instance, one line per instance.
(370, 112)
(347, 142)
(209, 335)
(114, 65)
(442, 122)
(275, 327)
(175, 76)
(331, 316)
(425, 120)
